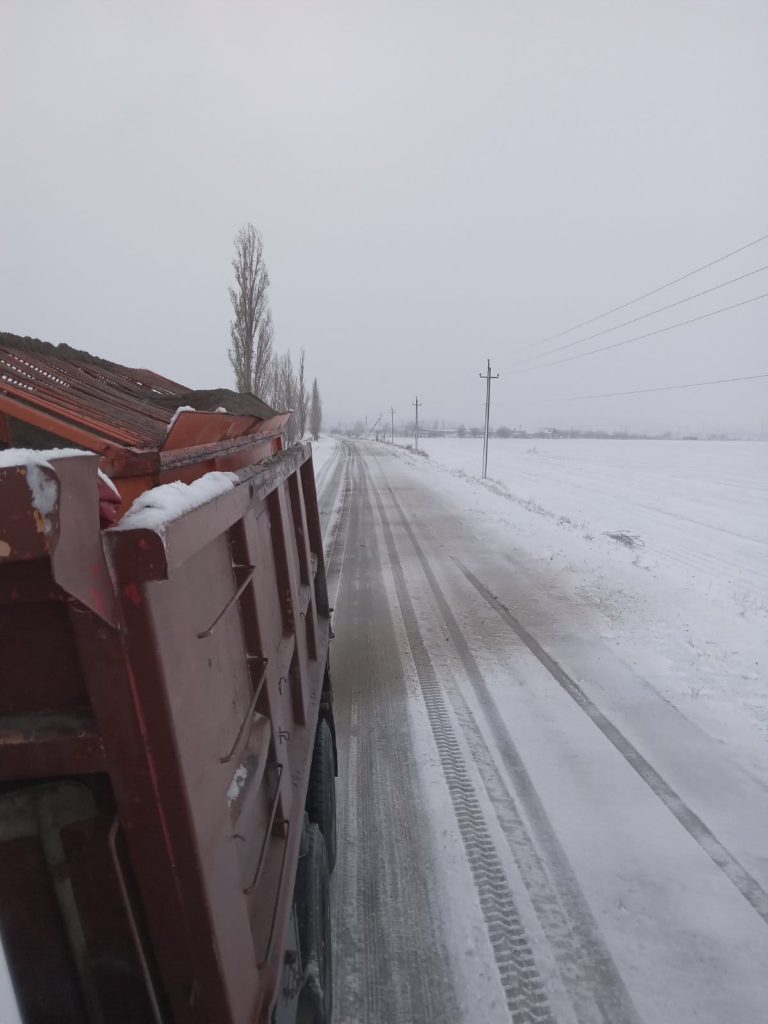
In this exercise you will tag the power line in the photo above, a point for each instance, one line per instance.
(644, 391)
(643, 316)
(648, 334)
(654, 291)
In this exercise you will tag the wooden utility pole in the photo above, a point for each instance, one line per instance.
(417, 403)
(488, 378)
(392, 415)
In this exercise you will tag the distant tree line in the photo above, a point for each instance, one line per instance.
(407, 430)
(257, 367)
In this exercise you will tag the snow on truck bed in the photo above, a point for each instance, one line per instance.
(44, 492)
(665, 541)
(154, 509)
(33, 457)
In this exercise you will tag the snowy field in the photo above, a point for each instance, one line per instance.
(666, 541)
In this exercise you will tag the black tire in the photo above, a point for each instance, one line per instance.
(321, 796)
(312, 897)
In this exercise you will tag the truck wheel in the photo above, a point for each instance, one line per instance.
(313, 913)
(321, 797)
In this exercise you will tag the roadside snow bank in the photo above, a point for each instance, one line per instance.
(323, 449)
(154, 509)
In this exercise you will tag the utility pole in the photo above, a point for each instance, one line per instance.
(488, 379)
(417, 403)
(392, 414)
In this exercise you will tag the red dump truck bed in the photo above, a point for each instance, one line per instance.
(167, 749)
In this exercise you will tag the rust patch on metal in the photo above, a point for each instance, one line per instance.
(40, 524)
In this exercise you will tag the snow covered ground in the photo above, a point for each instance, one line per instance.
(667, 541)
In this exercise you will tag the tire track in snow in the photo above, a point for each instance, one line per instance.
(335, 552)
(416, 987)
(525, 994)
(330, 495)
(736, 873)
(587, 969)
(367, 882)
(346, 715)
(392, 964)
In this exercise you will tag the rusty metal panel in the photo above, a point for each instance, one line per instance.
(177, 678)
(234, 677)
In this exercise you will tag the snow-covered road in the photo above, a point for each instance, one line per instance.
(530, 829)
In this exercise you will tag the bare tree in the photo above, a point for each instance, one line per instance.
(271, 385)
(287, 381)
(302, 398)
(263, 363)
(315, 411)
(285, 391)
(249, 303)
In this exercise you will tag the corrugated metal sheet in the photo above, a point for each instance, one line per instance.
(98, 404)
(114, 402)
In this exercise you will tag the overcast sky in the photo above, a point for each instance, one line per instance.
(436, 183)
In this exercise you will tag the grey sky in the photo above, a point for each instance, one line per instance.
(435, 183)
